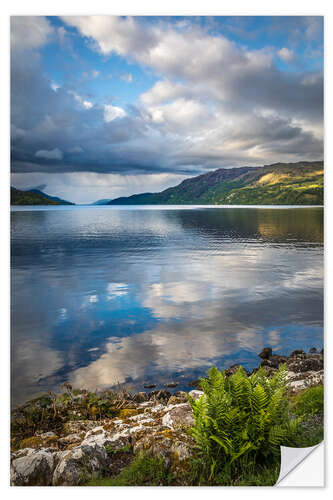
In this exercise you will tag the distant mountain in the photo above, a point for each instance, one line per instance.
(34, 197)
(278, 184)
(104, 201)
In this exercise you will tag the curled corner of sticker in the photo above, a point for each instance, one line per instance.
(291, 458)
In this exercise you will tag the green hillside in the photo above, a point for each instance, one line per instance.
(278, 184)
(34, 197)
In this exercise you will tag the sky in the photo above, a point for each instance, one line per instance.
(106, 106)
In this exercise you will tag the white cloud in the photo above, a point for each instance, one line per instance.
(285, 54)
(182, 116)
(54, 86)
(113, 112)
(162, 92)
(29, 32)
(112, 33)
(87, 104)
(52, 154)
(83, 102)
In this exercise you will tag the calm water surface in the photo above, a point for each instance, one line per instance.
(157, 294)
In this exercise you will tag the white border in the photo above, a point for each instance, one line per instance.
(141, 7)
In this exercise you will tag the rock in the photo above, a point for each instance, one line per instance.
(270, 371)
(98, 439)
(33, 468)
(171, 384)
(140, 397)
(161, 395)
(179, 417)
(78, 426)
(142, 418)
(89, 459)
(69, 440)
(79, 465)
(146, 404)
(265, 362)
(45, 435)
(177, 398)
(195, 394)
(172, 447)
(300, 381)
(297, 352)
(95, 431)
(157, 409)
(233, 369)
(22, 453)
(266, 353)
(194, 383)
(313, 350)
(276, 360)
(313, 363)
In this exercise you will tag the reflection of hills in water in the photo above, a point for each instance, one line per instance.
(100, 296)
(277, 225)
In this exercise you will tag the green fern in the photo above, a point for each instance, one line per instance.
(242, 418)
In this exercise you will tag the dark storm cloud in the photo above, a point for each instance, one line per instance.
(232, 107)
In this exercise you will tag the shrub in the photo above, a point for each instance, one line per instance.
(241, 420)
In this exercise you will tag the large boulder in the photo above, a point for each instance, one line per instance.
(78, 465)
(266, 353)
(32, 467)
(195, 394)
(233, 369)
(179, 417)
(90, 458)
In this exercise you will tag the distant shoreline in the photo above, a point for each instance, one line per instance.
(22, 208)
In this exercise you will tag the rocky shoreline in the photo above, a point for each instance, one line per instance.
(67, 446)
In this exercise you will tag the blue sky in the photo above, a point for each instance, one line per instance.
(107, 106)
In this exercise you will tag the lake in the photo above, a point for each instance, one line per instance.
(104, 294)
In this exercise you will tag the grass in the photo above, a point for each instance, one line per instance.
(310, 401)
(247, 474)
(309, 405)
(144, 470)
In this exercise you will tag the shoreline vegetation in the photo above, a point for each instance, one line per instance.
(227, 431)
(300, 183)
(34, 197)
